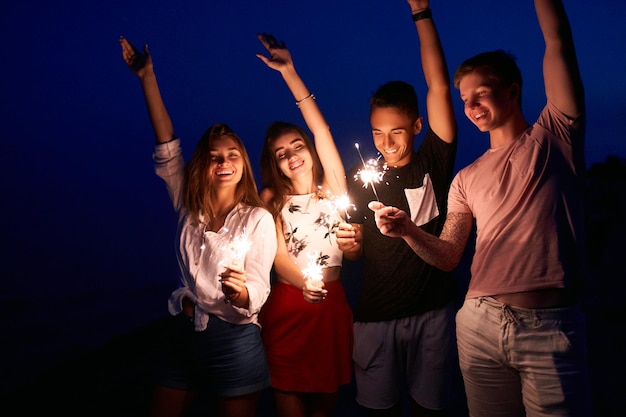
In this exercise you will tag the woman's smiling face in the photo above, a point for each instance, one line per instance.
(292, 155)
(227, 164)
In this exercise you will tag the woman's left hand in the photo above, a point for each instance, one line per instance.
(314, 291)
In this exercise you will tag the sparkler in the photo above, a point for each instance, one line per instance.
(339, 203)
(236, 249)
(370, 173)
(314, 267)
(235, 252)
(342, 202)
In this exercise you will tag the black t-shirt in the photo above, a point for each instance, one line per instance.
(396, 283)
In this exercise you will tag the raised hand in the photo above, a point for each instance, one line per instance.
(280, 58)
(139, 63)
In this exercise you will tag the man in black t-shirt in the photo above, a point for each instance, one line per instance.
(404, 318)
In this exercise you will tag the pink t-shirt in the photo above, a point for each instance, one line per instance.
(527, 202)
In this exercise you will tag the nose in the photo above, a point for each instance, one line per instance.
(471, 103)
(290, 155)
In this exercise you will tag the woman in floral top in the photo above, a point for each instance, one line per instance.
(306, 322)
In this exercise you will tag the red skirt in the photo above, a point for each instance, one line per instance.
(308, 346)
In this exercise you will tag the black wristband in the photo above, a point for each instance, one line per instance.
(424, 14)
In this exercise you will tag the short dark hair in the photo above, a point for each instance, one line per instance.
(499, 65)
(397, 94)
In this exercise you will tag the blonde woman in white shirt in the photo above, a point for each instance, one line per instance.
(216, 347)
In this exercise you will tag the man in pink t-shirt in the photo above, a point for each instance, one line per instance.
(521, 332)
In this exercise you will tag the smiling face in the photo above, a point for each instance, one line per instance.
(394, 132)
(226, 165)
(293, 157)
(486, 104)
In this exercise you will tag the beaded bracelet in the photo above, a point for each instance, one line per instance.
(423, 14)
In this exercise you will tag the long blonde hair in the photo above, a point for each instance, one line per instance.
(198, 192)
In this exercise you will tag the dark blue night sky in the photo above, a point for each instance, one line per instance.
(86, 226)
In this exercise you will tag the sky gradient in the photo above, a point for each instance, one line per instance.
(84, 213)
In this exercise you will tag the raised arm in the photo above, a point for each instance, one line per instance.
(281, 61)
(141, 64)
(438, 98)
(561, 74)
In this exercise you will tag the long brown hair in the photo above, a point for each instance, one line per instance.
(198, 192)
(273, 178)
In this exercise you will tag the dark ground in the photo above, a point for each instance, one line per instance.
(114, 379)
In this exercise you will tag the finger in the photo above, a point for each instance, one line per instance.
(271, 40)
(231, 286)
(234, 268)
(126, 47)
(375, 205)
(263, 38)
(263, 58)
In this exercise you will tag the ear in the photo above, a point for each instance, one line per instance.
(417, 125)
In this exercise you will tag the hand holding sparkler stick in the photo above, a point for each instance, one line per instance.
(233, 261)
(313, 290)
(391, 221)
(233, 281)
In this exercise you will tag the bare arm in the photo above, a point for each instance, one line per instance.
(286, 268)
(141, 65)
(438, 98)
(443, 252)
(281, 61)
(561, 73)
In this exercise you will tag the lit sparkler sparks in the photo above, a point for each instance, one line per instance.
(314, 268)
(342, 203)
(371, 172)
(236, 250)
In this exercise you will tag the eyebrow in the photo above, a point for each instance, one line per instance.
(291, 143)
(234, 148)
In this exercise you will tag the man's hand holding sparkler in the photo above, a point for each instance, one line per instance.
(391, 221)
(233, 281)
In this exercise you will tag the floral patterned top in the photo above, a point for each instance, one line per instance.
(309, 225)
